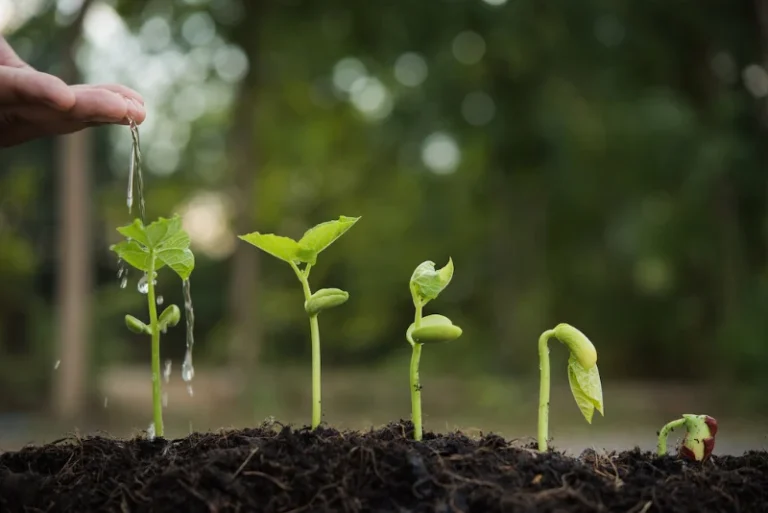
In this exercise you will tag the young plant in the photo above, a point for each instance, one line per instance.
(426, 284)
(149, 249)
(304, 252)
(583, 376)
(699, 438)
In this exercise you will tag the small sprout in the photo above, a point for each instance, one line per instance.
(699, 438)
(426, 284)
(583, 376)
(325, 299)
(304, 252)
(170, 317)
(149, 249)
(137, 326)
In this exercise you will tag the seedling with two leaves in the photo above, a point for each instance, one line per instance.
(426, 284)
(304, 253)
(149, 249)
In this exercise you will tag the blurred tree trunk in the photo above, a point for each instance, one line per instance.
(761, 7)
(74, 252)
(244, 279)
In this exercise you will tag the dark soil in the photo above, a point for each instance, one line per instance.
(289, 470)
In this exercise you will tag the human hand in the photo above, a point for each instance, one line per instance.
(35, 104)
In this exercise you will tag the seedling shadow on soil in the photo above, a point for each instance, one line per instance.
(282, 469)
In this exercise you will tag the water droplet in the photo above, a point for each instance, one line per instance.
(106, 401)
(151, 432)
(124, 282)
(187, 369)
(159, 299)
(56, 365)
(165, 399)
(189, 390)
(167, 370)
(143, 285)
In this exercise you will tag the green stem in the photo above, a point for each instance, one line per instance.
(314, 328)
(544, 389)
(157, 404)
(664, 433)
(414, 381)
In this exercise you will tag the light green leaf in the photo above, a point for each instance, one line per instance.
(161, 230)
(427, 283)
(278, 246)
(135, 231)
(134, 253)
(164, 239)
(586, 388)
(182, 261)
(318, 238)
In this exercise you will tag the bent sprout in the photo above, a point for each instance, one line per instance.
(583, 376)
(699, 438)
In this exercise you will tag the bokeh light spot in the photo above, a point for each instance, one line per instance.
(478, 108)
(440, 153)
(468, 47)
(411, 69)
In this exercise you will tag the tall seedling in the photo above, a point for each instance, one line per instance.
(149, 249)
(426, 284)
(304, 253)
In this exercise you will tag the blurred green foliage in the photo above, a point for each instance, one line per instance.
(611, 176)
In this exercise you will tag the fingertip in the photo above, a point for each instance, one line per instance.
(136, 112)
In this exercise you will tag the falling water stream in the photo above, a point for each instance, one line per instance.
(187, 369)
(136, 181)
(134, 170)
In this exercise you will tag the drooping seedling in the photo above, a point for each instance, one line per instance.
(426, 284)
(699, 438)
(149, 249)
(583, 376)
(304, 252)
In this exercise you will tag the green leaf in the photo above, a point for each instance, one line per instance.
(182, 261)
(164, 239)
(278, 246)
(134, 253)
(158, 232)
(135, 231)
(318, 238)
(427, 283)
(586, 388)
